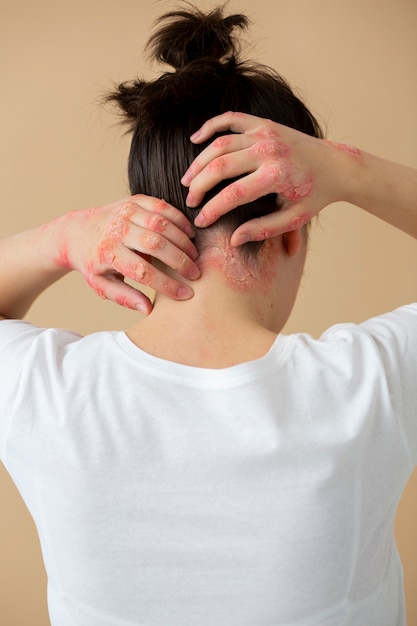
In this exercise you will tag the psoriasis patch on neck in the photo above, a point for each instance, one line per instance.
(254, 273)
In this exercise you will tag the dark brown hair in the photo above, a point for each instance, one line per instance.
(208, 79)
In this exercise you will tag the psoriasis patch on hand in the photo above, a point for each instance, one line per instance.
(118, 229)
(344, 147)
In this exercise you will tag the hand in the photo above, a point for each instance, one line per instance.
(272, 158)
(114, 242)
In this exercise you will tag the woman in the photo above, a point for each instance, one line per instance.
(203, 468)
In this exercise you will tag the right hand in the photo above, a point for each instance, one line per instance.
(304, 171)
(117, 241)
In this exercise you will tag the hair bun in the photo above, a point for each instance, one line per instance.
(186, 36)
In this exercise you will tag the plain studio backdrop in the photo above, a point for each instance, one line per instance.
(355, 64)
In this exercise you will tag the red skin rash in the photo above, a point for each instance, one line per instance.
(90, 278)
(117, 230)
(244, 275)
(63, 258)
(271, 148)
(156, 223)
(294, 191)
(345, 147)
(300, 220)
(152, 241)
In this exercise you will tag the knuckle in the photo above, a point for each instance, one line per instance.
(298, 221)
(233, 194)
(152, 241)
(222, 142)
(126, 209)
(219, 165)
(161, 205)
(181, 261)
(143, 273)
(119, 226)
(156, 222)
(105, 252)
(263, 234)
(122, 300)
(267, 130)
(268, 147)
(271, 173)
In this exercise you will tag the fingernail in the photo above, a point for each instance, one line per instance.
(184, 293)
(193, 254)
(190, 201)
(193, 273)
(142, 308)
(189, 230)
(195, 135)
(186, 179)
(239, 240)
(199, 221)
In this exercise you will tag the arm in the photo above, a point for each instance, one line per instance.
(307, 173)
(105, 245)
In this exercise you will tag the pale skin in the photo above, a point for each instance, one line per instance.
(308, 174)
(104, 244)
(231, 299)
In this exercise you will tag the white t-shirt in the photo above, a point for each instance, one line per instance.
(263, 494)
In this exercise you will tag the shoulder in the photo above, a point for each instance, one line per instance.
(376, 359)
(366, 370)
(386, 343)
(25, 347)
(390, 338)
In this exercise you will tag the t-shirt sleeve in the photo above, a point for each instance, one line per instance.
(395, 337)
(18, 341)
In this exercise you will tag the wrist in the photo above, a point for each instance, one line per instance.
(346, 172)
(57, 239)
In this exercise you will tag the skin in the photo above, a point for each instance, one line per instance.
(326, 171)
(239, 273)
(105, 244)
(117, 240)
(212, 326)
(233, 299)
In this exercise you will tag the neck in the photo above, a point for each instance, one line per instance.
(233, 299)
(207, 330)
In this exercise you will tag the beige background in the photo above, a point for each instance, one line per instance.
(355, 62)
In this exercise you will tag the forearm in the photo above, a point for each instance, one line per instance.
(29, 263)
(385, 189)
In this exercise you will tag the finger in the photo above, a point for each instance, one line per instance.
(157, 246)
(112, 287)
(221, 168)
(135, 267)
(232, 120)
(150, 232)
(219, 146)
(272, 225)
(242, 191)
(166, 243)
(163, 208)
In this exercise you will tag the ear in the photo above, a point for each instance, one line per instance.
(293, 241)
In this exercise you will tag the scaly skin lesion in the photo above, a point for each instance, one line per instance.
(242, 273)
